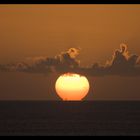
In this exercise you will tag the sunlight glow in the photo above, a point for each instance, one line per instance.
(71, 86)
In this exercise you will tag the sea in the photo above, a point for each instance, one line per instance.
(69, 118)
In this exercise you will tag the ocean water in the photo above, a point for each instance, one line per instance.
(90, 118)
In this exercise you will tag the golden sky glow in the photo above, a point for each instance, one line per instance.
(36, 30)
(28, 31)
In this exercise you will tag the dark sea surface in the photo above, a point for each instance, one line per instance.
(70, 118)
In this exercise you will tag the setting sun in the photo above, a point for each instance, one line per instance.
(71, 86)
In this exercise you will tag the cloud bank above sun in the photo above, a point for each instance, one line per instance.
(123, 63)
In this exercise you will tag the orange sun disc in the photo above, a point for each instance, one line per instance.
(72, 86)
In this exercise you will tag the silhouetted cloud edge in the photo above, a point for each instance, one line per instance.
(122, 64)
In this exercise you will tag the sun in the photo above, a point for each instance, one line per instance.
(72, 87)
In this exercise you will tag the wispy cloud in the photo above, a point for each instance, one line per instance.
(123, 63)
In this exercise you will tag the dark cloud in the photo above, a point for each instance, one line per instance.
(62, 62)
(122, 63)
(3, 68)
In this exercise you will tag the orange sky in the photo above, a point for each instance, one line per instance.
(46, 30)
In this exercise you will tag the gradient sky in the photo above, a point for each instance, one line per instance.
(47, 30)
(37, 30)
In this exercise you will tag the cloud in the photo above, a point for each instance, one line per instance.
(68, 58)
(3, 68)
(62, 62)
(123, 63)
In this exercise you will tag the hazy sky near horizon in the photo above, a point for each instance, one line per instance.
(46, 30)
